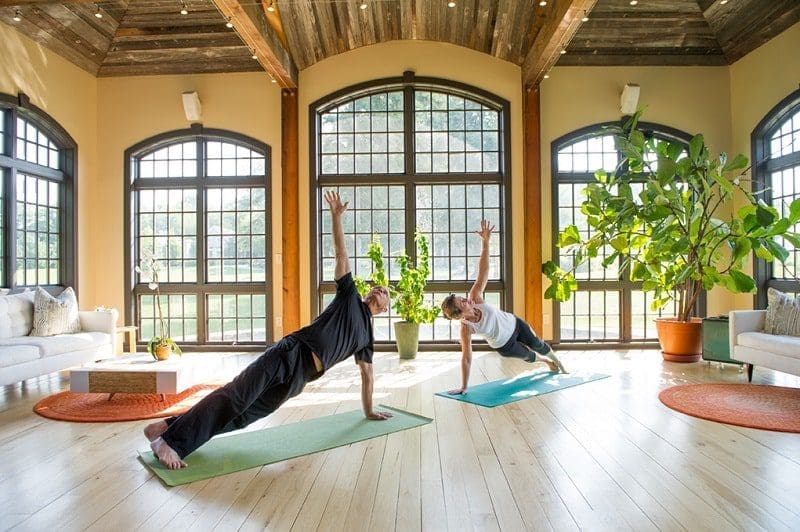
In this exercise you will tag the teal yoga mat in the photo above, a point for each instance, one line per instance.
(243, 450)
(521, 387)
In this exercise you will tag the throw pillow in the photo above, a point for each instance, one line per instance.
(783, 314)
(55, 315)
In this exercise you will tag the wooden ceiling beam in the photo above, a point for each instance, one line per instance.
(252, 26)
(562, 23)
(22, 3)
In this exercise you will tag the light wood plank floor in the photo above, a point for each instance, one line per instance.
(602, 456)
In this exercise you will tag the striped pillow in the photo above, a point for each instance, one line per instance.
(783, 314)
(55, 315)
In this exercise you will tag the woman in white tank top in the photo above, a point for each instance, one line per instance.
(508, 334)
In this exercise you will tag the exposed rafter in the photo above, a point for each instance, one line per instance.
(252, 25)
(562, 23)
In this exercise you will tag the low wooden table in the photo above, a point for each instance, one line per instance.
(136, 374)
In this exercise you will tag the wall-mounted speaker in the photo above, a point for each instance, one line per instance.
(191, 106)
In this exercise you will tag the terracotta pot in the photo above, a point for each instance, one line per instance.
(681, 341)
(163, 352)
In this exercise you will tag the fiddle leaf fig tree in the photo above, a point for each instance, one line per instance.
(665, 216)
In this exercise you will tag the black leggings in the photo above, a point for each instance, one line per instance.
(524, 343)
(268, 382)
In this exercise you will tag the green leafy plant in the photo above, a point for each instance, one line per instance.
(664, 217)
(408, 294)
(149, 268)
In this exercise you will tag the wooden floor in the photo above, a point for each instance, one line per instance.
(602, 456)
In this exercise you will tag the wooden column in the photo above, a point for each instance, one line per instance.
(291, 210)
(532, 175)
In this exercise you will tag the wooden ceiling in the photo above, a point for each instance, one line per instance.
(136, 37)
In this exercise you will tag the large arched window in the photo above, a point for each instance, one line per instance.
(198, 200)
(413, 153)
(607, 307)
(776, 170)
(37, 197)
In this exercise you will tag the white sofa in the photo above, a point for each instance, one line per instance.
(23, 357)
(750, 344)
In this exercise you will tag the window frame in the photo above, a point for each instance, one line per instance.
(407, 83)
(65, 176)
(623, 285)
(200, 287)
(762, 166)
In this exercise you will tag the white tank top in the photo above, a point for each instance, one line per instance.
(495, 325)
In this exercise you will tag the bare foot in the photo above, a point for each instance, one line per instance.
(154, 430)
(166, 455)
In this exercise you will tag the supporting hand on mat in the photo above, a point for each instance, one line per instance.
(379, 416)
(457, 391)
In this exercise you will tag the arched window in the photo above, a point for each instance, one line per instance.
(37, 197)
(776, 170)
(198, 200)
(607, 307)
(413, 153)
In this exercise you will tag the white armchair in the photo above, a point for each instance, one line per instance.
(750, 344)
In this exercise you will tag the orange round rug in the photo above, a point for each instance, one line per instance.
(96, 407)
(747, 405)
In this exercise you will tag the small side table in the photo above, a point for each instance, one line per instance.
(715, 341)
(131, 331)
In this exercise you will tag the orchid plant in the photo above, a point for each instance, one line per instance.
(149, 268)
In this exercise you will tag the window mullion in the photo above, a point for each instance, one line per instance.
(200, 246)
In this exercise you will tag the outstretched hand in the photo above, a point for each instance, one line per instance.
(379, 416)
(335, 203)
(485, 231)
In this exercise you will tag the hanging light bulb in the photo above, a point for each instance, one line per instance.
(363, 6)
(563, 52)
(229, 24)
(254, 56)
(451, 4)
(184, 11)
(723, 2)
(543, 3)
(273, 80)
(17, 16)
(585, 18)
(97, 12)
(271, 6)
(547, 76)
(633, 2)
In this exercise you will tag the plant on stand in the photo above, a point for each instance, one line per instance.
(408, 294)
(161, 346)
(665, 218)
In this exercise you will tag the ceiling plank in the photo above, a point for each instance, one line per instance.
(251, 23)
(634, 57)
(20, 3)
(562, 23)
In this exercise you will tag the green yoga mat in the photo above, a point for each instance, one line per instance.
(243, 450)
(521, 387)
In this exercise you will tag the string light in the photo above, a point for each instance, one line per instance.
(271, 6)
(97, 12)
(229, 23)
(273, 80)
(633, 2)
(543, 3)
(363, 6)
(723, 2)
(563, 52)
(184, 11)
(17, 16)
(451, 4)
(547, 76)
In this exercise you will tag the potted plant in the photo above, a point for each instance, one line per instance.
(666, 216)
(408, 294)
(161, 346)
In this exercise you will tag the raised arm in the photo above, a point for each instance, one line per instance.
(476, 292)
(340, 250)
(466, 359)
(366, 393)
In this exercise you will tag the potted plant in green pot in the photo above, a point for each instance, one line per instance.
(408, 294)
(666, 217)
(161, 346)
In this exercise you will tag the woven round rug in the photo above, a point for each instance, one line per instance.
(96, 407)
(747, 405)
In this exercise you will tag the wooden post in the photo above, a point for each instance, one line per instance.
(291, 210)
(532, 175)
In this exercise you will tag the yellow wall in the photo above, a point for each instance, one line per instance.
(425, 59)
(69, 95)
(759, 81)
(131, 109)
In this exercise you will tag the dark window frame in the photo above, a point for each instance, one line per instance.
(763, 166)
(623, 285)
(200, 287)
(408, 82)
(65, 176)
